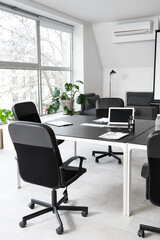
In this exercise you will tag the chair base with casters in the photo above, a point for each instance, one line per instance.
(53, 207)
(102, 108)
(110, 153)
(143, 228)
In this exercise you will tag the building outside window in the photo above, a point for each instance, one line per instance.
(35, 57)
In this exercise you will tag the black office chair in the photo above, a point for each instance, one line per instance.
(27, 111)
(102, 107)
(40, 163)
(151, 172)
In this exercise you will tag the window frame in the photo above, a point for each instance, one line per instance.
(37, 66)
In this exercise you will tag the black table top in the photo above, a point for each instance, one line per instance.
(142, 139)
(80, 131)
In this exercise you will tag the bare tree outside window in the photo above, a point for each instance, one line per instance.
(19, 81)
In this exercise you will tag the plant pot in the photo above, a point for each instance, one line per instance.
(68, 103)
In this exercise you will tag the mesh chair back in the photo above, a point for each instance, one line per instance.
(103, 104)
(38, 155)
(153, 151)
(26, 111)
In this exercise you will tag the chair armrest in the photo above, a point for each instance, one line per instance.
(66, 163)
(145, 171)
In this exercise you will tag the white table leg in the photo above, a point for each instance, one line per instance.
(75, 148)
(131, 147)
(125, 175)
(129, 177)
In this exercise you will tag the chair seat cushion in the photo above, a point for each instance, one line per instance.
(70, 174)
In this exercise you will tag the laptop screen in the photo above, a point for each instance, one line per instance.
(120, 115)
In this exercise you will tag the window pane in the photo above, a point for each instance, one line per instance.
(55, 47)
(50, 80)
(17, 38)
(18, 86)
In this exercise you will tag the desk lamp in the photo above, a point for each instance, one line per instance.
(111, 73)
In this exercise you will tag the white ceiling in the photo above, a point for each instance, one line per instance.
(96, 11)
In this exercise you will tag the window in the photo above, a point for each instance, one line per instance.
(19, 90)
(35, 57)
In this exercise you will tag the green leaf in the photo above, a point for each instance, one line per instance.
(68, 86)
(49, 110)
(56, 92)
(69, 112)
(76, 86)
(56, 105)
(79, 81)
(6, 114)
(82, 99)
(64, 96)
(3, 119)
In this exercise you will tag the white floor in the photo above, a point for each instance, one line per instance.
(100, 189)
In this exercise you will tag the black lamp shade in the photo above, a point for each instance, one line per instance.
(112, 72)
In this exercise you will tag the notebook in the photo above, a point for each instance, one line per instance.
(59, 123)
(118, 117)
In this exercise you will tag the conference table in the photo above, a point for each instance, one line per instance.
(83, 130)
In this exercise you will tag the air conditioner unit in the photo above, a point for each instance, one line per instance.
(132, 28)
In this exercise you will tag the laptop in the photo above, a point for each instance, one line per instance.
(118, 117)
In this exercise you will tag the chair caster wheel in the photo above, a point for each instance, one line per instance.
(84, 213)
(59, 230)
(96, 160)
(22, 224)
(31, 205)
(93, 154)
(141, 233)
(119, 162)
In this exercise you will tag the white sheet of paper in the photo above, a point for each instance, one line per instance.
(101, 120)
(93, 125)
(113, 135)
(59, 123)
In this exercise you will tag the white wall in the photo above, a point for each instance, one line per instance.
(86, 65)
(128, 79)
(93, 71)
(132, 61)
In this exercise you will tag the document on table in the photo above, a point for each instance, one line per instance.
(113, 135)
(59, 123)
(93, 125)
(101, 120)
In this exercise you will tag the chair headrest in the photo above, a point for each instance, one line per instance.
(33, 134)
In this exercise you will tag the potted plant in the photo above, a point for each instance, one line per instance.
(66, 99)
(5, 115)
